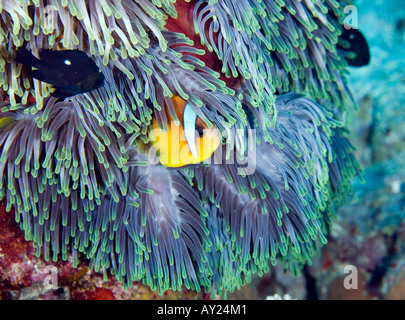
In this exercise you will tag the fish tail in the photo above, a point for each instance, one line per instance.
(27, 58)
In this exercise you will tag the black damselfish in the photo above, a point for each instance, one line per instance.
(70, 71)
(354, 42)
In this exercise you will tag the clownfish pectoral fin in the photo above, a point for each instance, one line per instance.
(189, 122)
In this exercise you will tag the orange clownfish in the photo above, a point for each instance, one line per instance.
(190, 142)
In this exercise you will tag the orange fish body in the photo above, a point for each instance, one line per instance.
(174, 149)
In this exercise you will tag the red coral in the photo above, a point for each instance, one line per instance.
(16, 256)
(96, 294)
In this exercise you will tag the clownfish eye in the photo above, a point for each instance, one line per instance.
(200, 130)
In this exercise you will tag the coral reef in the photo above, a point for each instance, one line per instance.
(381, 98)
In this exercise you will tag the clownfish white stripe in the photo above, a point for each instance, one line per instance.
(189, 123)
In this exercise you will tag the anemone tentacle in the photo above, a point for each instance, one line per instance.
(270, 45)
(155, 233)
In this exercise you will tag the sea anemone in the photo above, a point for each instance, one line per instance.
(281, 211)
(78, 173)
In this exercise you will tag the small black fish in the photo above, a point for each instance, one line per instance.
(70, 71)
(354, 42)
